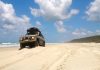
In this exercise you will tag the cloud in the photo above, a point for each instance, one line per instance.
(36, 12)
(79, 32)
(93, 11)
(98, 31)
(82, 32)
(9, 22)
(38, 24)
(54, 9)
(60, 26)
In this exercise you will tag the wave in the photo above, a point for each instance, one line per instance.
(9, 44)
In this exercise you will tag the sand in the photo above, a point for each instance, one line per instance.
(69, 56)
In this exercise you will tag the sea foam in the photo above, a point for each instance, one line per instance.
(9, 44)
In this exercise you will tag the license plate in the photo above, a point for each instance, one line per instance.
(26, 40)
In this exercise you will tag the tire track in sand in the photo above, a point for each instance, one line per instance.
(59, 63)
(25, 56)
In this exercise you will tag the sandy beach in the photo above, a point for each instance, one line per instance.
(69, 56)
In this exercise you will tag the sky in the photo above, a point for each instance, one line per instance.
(58, 20)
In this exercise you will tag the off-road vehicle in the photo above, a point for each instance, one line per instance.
(32, 39)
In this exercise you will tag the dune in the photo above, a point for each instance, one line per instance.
(65, 56)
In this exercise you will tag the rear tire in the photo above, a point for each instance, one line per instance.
(43, 44)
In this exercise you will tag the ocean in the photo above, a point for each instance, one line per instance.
(17, 44)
